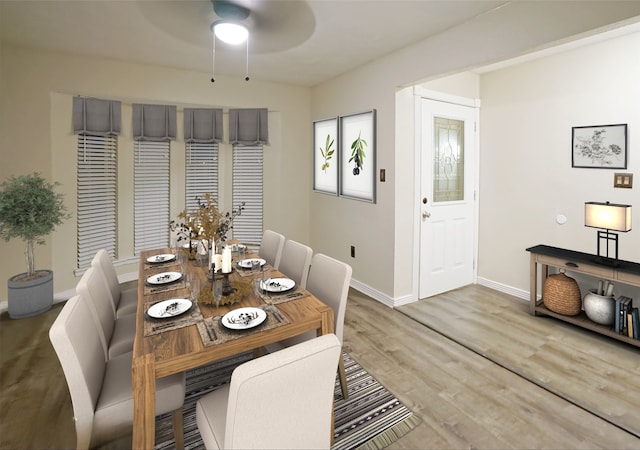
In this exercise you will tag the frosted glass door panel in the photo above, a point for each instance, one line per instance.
(448, 160)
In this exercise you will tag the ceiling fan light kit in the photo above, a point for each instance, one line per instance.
(228, 30)
(231, 33)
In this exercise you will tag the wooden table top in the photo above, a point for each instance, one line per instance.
(178, 350)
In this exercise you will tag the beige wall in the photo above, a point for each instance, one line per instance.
(35, 135)
(526, 175)
(526, 116)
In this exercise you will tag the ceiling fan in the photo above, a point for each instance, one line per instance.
(274, 25)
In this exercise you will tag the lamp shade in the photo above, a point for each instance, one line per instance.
(608, 216)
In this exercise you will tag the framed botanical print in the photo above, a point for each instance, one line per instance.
(358, 156)
(325, 156)
(599, 147)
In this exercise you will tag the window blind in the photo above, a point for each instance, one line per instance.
(96, 207)
(201, 177)
(247, 187)
(151, 195)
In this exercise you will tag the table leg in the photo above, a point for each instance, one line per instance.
(144, 402)
(533, 284)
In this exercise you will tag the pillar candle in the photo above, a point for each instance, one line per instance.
(226, 260)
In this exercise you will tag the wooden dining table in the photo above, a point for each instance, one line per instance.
(177, 350)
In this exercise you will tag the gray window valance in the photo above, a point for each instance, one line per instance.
(96, 116)
(203, 125)
(154, 122)
(248, 126)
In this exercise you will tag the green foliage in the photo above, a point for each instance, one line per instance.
(30, 209)
(357, 153)
(328, 153)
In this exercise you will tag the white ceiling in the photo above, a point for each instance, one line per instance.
(292, 41)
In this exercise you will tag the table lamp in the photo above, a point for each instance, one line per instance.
(608, 217)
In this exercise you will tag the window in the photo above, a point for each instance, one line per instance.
(151, 195)
(96, 184)
(201, 177)
(247, 187)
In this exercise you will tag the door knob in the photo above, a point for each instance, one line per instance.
(426, 214)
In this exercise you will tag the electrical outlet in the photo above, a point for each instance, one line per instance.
(353, 251)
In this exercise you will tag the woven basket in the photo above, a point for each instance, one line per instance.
(561, 294)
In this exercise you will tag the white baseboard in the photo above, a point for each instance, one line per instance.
(380, 296)
(520, 293)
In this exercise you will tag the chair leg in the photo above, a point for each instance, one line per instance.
(178, 428)
(343, 378)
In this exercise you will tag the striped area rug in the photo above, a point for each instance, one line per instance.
(372, 417)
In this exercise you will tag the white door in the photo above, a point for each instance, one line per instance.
(448, 167)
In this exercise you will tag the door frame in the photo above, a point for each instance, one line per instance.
(420, 93)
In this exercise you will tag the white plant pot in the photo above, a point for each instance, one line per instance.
(30, 298)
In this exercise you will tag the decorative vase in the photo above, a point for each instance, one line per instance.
(32, 297)
(599, 308)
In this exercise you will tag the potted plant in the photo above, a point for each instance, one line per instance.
(30, 209)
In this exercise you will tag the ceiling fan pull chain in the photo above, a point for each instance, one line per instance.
(246, 77)
(213, 58)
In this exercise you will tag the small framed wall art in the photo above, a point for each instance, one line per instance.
(325, 156)
(599, 147)
(358, 156)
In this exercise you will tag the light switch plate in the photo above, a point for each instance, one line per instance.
(623, 180)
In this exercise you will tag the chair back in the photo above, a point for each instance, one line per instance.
(271, 247)
(295, 262)
(79, 350)
(329, 280)
(284, 400)
(93, 290)
(102, 263)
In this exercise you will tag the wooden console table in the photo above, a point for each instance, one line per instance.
(546, 256)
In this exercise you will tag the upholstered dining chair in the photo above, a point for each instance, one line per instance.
(295, 262)
(124, 301)
(101, 392)
(116, 335)
(271, 247)
(283, 400)
(329, 280)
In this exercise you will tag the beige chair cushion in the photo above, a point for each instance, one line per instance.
(295, 262)
(117, 336)
(123, 304)
(211, 417)
(329, 280)
(271, 247)
(114, 411)
(283, 400)
(101, 391)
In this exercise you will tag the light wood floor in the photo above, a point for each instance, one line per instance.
(464, 399)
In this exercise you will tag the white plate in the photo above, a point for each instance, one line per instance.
(194, 244)
(169, 308)
(236, 247)
(157, 259)
(277, 284)
(164, 278)
(246, 263)
(235, 319)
